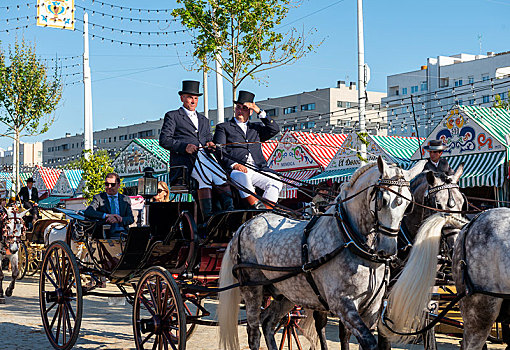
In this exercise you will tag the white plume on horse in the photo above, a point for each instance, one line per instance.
(348, 283)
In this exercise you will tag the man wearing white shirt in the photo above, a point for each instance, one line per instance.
(187, 135)
(242, 154)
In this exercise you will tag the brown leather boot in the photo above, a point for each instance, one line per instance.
(205, 201)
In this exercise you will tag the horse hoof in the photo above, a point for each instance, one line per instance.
(8, 292)
(2, 300)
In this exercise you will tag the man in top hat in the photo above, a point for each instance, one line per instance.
(29, 197)
(435, 162)
(187, 134)
(243, 150)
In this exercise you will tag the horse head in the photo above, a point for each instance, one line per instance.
(379, 209)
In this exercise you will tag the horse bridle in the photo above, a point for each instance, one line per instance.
(378, 194)
(448, 187)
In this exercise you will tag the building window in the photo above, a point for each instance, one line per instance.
(414, 89)
(212, 122)
(109, 139)
(339, 104)
(307, 125)
(458, 82)
(471, 102)
(348, 104)
(423, 86)
(289, 127)
(485, 77)
(308, 107)
(271, 112)
(289, 110)
(115, 139)
(486, 99)
(444, 82)
(502, 96)
(460, 102)
(404, 91)
(471, 80)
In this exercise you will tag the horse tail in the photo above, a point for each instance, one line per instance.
(307, 326)
(410, 296)
(228, 308)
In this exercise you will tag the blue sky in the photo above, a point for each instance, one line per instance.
(132, 85)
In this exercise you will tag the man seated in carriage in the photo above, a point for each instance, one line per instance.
(29, 197)
(112, 207)
(242, 155)
(435, 162)
(187, 135)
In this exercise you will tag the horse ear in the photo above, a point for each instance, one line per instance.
(416, 169)
(458, 173)
(431, 178)
(381, 164)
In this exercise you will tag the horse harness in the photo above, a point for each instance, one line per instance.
(353, 241)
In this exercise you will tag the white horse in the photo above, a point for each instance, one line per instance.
(12, 228)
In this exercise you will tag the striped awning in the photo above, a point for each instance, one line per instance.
(339, 175)
(483, 169)
(268, 148)
(131, 181)
(321, 146)
(289, 189)
(74, 177)
(48, 177)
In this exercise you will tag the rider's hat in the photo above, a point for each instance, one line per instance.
(435, 145)
(30, 179)
(244, 96)
(190, 87)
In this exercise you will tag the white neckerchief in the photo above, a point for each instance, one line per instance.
(435, 163)
(192, 115)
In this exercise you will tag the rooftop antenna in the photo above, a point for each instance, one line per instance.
(480, 42)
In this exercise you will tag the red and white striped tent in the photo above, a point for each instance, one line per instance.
(45, 179)
(268, 147)
(300, 155)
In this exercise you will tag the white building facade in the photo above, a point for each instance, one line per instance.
(419, 99)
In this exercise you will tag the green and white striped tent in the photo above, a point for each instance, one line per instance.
(477, 137)
(394, 149)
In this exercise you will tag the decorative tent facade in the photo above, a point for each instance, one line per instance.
(45, 179)
(300, 155)
(67, 183)
(393, 149)
(477, 137)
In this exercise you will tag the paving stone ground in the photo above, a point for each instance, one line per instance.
(109, 327)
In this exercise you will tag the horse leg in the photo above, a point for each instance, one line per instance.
(15, 272)
(2, 299)
(344, 336)
(505, 333)
(479, 313)
(270, 317)
(252, 297)
(321, 320)
(349, 316)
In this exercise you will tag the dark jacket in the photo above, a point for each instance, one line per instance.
(101, 205)
(177, 132)
(230, 132)
(442, 167)
(23, 194)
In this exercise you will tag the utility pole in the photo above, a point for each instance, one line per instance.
(206, 94)
(361, 80)
(88, 135)
(219, 91)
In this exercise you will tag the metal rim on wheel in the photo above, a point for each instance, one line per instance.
(22, 260)
(60, 296)
(159, 320)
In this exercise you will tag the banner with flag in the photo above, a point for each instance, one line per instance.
(55, 13)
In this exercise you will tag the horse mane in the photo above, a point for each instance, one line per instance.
(360, 172)
(417, 181)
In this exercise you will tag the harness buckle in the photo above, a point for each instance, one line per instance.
(306, 270)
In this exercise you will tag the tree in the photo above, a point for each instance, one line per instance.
(27, 96)
(242, 34)
(500, 103)
(94, 170)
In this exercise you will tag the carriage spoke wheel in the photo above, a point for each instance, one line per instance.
(192, 307)
(159, 320)
(60, 296)
(23, 262)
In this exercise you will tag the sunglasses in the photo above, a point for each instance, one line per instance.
(161, 190)
(110, 184)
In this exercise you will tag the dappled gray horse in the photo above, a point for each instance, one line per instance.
(481, 269)
(11, 223)
(352, 286)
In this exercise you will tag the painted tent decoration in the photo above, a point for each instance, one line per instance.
(81, 186)
(141, 153)
(56, 13)
(299, 150)
(67, 183)
(471, 130)
(45, 179)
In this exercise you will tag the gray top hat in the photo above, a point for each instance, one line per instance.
(435, 145)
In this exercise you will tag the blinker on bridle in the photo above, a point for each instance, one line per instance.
(451, 200)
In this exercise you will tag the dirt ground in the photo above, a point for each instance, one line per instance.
(109, 327)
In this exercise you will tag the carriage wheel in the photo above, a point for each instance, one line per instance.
(60, 296)
(34, 261)
(192, 305)
(159, 320)
(22, 260)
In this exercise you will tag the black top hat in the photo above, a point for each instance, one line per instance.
(435, 145)
(244, 96)
(30, 179)
(190, 87)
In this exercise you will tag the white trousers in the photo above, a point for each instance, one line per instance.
(207, 172)
(253, 179)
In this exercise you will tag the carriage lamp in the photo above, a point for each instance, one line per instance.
(148, 184)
